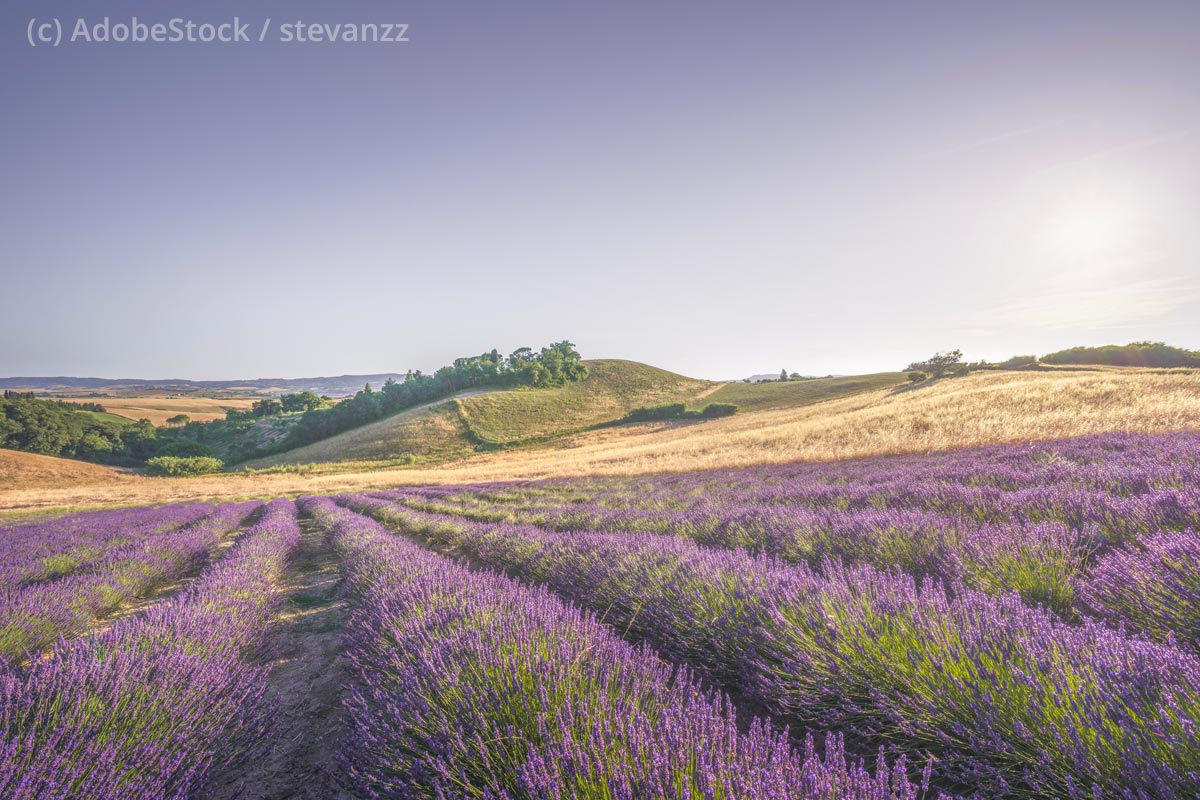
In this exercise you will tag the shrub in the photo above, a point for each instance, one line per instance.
(714, 410)
(916, 376)
(655, 413)
(184, 448)
(177, 466)
(1020, 362)
(960, 371)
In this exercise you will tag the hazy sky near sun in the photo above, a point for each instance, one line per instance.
(716, 188)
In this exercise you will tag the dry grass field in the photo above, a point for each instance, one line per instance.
(433, 430)
(985, 408)
(994, 407)
(159, 409)
(20, 471)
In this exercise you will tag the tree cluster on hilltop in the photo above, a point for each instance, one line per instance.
(555, 365)
(1134, 354)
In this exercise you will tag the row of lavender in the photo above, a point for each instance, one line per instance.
(978, 481)
(1009, 699)
(471, 685)
(50, 549)
(143, 708)
(1102, 526)
(34, 615)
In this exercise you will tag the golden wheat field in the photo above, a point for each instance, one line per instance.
(984, 408)
(159, 409)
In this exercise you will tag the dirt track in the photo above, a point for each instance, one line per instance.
(308, 669)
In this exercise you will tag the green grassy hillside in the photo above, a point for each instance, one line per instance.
(789, 394)
(612, 389)
(104, 416)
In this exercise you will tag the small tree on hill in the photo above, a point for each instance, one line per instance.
(179, 419)
(939, 364)
(783, 376)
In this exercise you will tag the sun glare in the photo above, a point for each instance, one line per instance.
(1092, 225)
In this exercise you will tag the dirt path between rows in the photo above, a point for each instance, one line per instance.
(308, 669)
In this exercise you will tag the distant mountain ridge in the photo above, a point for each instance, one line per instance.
(340, 385)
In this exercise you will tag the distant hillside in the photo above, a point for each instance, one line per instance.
(789, 394)
(480, 419)
(989, 407)
(337, 386)
(159, 409)
(983, 408)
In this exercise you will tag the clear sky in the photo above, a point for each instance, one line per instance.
(716, 188)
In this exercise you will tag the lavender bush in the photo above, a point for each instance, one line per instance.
(473, 686)
(1152, 585)
(53, 548)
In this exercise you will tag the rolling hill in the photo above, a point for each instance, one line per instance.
(613, 389)
(481, 419)
(431, 432)
(984, 408)
(489, 420)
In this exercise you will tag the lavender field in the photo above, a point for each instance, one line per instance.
(1011, 621)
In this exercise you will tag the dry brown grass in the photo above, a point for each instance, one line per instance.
(981, 409)
(21, 471)
(159, 409)
(986, 408)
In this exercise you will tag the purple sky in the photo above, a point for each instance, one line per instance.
(719, 189)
